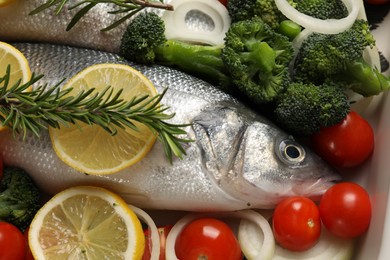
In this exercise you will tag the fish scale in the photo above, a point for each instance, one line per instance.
(237, 160)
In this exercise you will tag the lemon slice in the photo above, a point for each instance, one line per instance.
(92, 150)
(86, 222)
(20, 68)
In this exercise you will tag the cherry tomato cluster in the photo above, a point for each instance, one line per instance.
(344, 210)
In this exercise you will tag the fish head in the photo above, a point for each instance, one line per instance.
(253, 160)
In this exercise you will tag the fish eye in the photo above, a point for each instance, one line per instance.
(291, 152)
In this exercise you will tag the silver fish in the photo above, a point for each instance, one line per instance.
(238, 159)
(17, 25)
(47, 27)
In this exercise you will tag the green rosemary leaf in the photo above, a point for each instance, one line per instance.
(126, 7)
(121, 20)
(30, 111)
(79, 15)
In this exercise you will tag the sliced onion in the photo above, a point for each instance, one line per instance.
(184, 23)
(256, 238)
(328, 247)
(267, 248)
(155, 251)
(329, 26)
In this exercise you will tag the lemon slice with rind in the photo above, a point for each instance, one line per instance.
(19, 67)
(86, 222)
(91, 149)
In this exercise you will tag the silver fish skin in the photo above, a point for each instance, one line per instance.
(238, 159)
(17, 25)
(47, 27)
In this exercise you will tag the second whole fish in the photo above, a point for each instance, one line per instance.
(238, 158)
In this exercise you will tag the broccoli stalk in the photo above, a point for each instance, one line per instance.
(144, 42)
(204, 61)
(253, 59)
(19, 198)
(366, 80)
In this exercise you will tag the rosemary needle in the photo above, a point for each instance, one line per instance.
(24, 111)
(126, 8)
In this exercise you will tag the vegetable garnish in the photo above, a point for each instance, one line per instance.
(266, 248)
(32, 111)
(328, 26)
(345, 210)
(19, 197)
(207, 238)
(86, 222)
(12, 242)
(127, 7)
(178, 28)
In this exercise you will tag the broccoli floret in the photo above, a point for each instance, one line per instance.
(340, 57)
(254, 57)
(257, 58)
(144, 42)
(141, 37)
(305, 108)
(322, 9)
(322, 56)
(19, 197)
(240, 10)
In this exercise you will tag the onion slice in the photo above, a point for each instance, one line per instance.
(256, 238)
(328, 247)
(329, 26)
(155, 237)
(267, 249)
(197, 21)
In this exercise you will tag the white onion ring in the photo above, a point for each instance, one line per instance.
(251, 215)
(329, 26)
(177, 28)
(155, 237)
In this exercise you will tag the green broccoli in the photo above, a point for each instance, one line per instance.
(322, 9)
(19, 197)
(240, 10)
(257, 58)
(253, 56)
(324, 57)
(305, 108)
(144, 42)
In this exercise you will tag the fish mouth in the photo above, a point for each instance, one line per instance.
(317, 188)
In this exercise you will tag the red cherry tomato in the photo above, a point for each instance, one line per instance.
(12, 242)
(346, 144)
(377, 2)
(296, 223)
(163, 233)
(224, 2)
(28, 255)
(207, 238)
(345, 210)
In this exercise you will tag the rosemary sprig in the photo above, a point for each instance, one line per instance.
(127, 8)
(34, 110)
